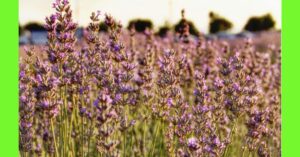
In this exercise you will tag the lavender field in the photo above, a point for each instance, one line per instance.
(129, 94)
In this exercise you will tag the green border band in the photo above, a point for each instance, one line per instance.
(290, 78)
(9, 79)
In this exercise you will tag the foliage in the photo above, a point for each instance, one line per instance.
(218, 24)
(162, 31)
(21, 30)
(192, 28)
(140, 25)
(33, 26)
(265, 22)
(103, 27)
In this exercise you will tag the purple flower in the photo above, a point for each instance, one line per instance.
(26, 124)
(248, 78)
(96, 103)
(196, 92)
(45, 104)
(23, 98)
(66, 36)
(116, 48)
(46, 135)
(65, 2)
(82, 111)
(54, 111)
(236, 87)
(193, 143)
(228, 102)
(56, 4)
(170, 102)
(39, 78)
(218, 83)
(53, 17)
(117, 99)
(204, 108)
(208, 148)
(216, 141)
(22, 74)
(132, 122)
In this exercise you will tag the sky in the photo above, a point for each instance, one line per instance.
(159, 11)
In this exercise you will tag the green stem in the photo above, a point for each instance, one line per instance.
(60, 124)
(124, 144)
(131, 141)
(144, 138)
(162, 139)
(70, 133)
(173, 146)
(155, 136)
(230, 137)
(243, 152)
(66, 130)
(53, 134)
(89, 140)
(82, 139)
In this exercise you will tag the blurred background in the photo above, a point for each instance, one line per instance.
(225, 18)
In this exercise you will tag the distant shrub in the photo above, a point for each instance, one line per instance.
(218, 23)
(140, 25)
(260, 23)
(193, 30)
(32, 26)
(162, 31)
(21, 30)
(103, 27)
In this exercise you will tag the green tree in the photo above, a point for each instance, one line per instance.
(192, 29)
(218, 23)
(163, 30)
(103, 27)
(260, 23)
(140, 25)
(21, 30)
(33, 26)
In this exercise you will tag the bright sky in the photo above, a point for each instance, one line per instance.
(159, 11)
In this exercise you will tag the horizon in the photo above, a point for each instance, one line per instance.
(167, 11)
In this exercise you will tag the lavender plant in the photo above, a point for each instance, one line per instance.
(123, 94)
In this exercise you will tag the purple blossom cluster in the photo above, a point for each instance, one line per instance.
(123, 93)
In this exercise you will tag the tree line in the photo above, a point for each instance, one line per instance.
(217, 24)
